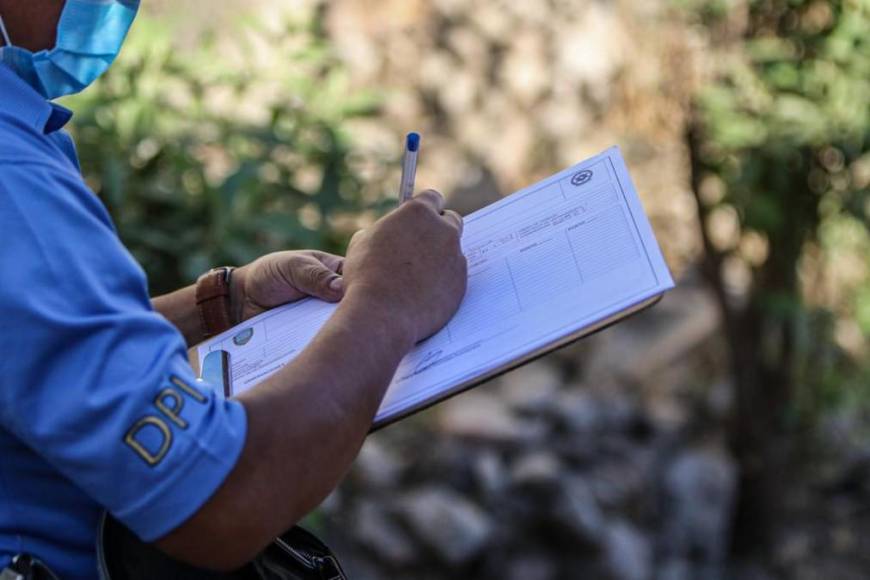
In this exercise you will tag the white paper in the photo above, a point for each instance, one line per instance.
(543, 263)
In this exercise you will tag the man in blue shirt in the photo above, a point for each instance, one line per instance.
(99, 408)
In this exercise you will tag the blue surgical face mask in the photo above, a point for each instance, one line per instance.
(89, 36)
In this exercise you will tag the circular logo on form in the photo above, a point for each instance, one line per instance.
(581, 177)
(242, 338)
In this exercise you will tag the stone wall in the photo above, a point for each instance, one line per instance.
(505, 92)
(575, 466)
(508, 92)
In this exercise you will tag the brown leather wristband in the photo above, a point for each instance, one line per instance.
(213, 300)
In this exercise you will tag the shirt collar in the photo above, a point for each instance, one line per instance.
(21, 101)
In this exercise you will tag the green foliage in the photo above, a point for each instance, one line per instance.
(785, 128)
(203, 161)
(708, 11)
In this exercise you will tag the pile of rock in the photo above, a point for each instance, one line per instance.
(539, 476)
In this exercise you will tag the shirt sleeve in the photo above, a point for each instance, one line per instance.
(91, 377)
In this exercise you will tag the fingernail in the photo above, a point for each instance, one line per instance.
(336, 284)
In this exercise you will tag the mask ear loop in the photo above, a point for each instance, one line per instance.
(4, 33)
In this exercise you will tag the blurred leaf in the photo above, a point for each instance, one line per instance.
(785, 128)
(194, 174)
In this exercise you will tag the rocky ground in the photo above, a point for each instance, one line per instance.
(580, 466)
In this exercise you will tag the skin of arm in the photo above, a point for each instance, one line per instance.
(305, 426)
(179, 308)
(405, 277)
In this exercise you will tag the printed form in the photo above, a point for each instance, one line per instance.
(544, 264)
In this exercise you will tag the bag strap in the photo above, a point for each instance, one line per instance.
(307, 549)
(26, 567)
(295, 555)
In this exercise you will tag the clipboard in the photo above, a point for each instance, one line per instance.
(548, 265)
(216, 369)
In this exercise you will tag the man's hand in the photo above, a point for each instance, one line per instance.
(410, 263)
(404, 277)
(284, 277)
(267, 282)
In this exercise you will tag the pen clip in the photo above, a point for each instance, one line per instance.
(216, 371)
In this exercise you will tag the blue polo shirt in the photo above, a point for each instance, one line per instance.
(99, 408)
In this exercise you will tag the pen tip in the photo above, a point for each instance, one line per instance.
(413, 143)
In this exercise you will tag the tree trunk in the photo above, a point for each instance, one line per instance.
(760, 340)
(757, 439)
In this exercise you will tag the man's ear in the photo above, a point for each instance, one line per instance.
(32, 24)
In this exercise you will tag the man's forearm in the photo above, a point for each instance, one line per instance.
(305, 426)
(179, 308)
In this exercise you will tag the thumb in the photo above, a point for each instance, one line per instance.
(316, 279)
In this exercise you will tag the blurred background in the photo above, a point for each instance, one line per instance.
(724, 433)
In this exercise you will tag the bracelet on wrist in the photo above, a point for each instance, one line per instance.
(213, 300)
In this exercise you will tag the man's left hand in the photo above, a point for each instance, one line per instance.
(284, 277)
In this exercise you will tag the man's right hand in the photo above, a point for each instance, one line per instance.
(404, 278)
(410, 264)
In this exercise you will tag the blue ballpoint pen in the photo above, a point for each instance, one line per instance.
(409, 167)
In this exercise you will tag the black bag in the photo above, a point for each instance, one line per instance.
(295, 555)
(26, 567)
